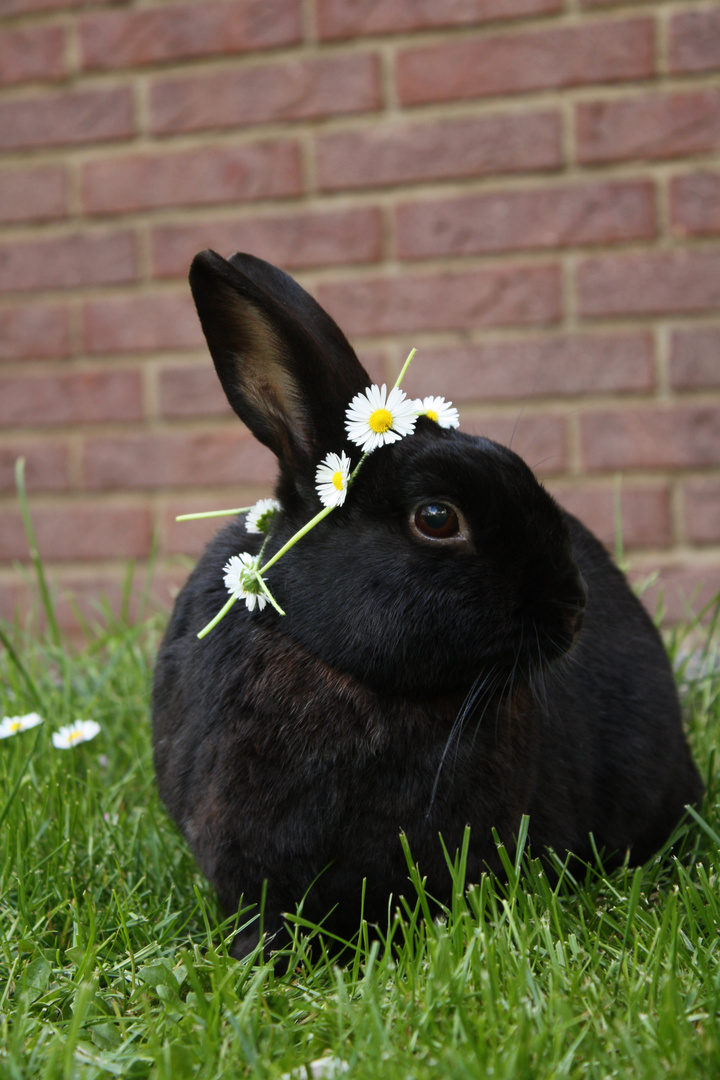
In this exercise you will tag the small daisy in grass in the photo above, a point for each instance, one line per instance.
(13, 725)
(260, 518)
(242, 580)
(72, 734)
(375, 418)
(438, 409)
(331, 479)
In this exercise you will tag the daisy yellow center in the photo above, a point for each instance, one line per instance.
(380, 421)
(338, 480)
(16, 726)
(432, 414)
(74, 736)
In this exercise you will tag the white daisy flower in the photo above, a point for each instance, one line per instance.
(12, 725)
(441, 411)
(374, 417)
(241, 582)
(72, 734)
(331, 479)
(260, 517)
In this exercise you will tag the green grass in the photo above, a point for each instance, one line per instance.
(114, 961)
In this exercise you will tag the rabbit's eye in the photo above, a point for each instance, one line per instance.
(437, 520)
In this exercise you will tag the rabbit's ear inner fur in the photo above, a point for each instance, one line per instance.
(286, 368)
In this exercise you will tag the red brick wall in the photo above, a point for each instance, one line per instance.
(527, 190)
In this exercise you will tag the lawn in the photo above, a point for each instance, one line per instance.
(113, 955)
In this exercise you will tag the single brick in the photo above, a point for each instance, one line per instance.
(33, 332)
(191, 392)
(30, 53)
(75, 398)
(596, 213)
(24, 7)
(557, 366)
(532, 60)
(141, 324)
(187, 31)
(444, 301)
(695, 204)
(702, 511)
(33, 194)
(284, 90)
(68, 261)
(651, 127)
(695, 41)
(76, 532)
(683, 437)
(290, 240)
(176, 460)
(440, 150)
(267, 170)
(644, 519)
(350, 19)
(46, 464)
(69, 118)
(190, 537)
(695, 358)
(539, 438)
(648, 284)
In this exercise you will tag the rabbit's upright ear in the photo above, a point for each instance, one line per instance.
(286, 367)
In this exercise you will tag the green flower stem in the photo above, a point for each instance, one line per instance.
(297, 536)
(213, 513)
(271, 598)
(406, 365)
(220, 615)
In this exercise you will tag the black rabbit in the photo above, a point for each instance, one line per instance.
(456, 650)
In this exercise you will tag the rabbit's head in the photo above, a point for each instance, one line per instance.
(448, 560)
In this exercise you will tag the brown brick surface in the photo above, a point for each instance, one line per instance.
(38, 194)
(32, 53)
(540, 438)
(348, 18)
(192, 391)
(695, 358)
(69, 261)
(642, 513)
(284, 90)
(557, 366)
(566, 216)
(647, 438)
(86, 532)
(695, 41)
(289, 240)
(702, 511)
(46, 464)
(695, 204)
(33, 332)
(265, 170)
(677, 588)
(144, 323)
(173, 460)
(648, 127)
(75, 398)
(534, 60)
(409, 153)
(186, 31)
(66, 118)
(685, 281)
(410, 303)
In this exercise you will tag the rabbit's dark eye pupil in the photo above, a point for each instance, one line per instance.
(437, 520)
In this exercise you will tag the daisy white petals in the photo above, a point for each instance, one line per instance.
(259, 519)
(13, 725)
(242, 580)
(441, 411)
(375, 417)
(72, 734)
(331, 479)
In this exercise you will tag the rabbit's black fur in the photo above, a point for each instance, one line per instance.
(413, 685)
